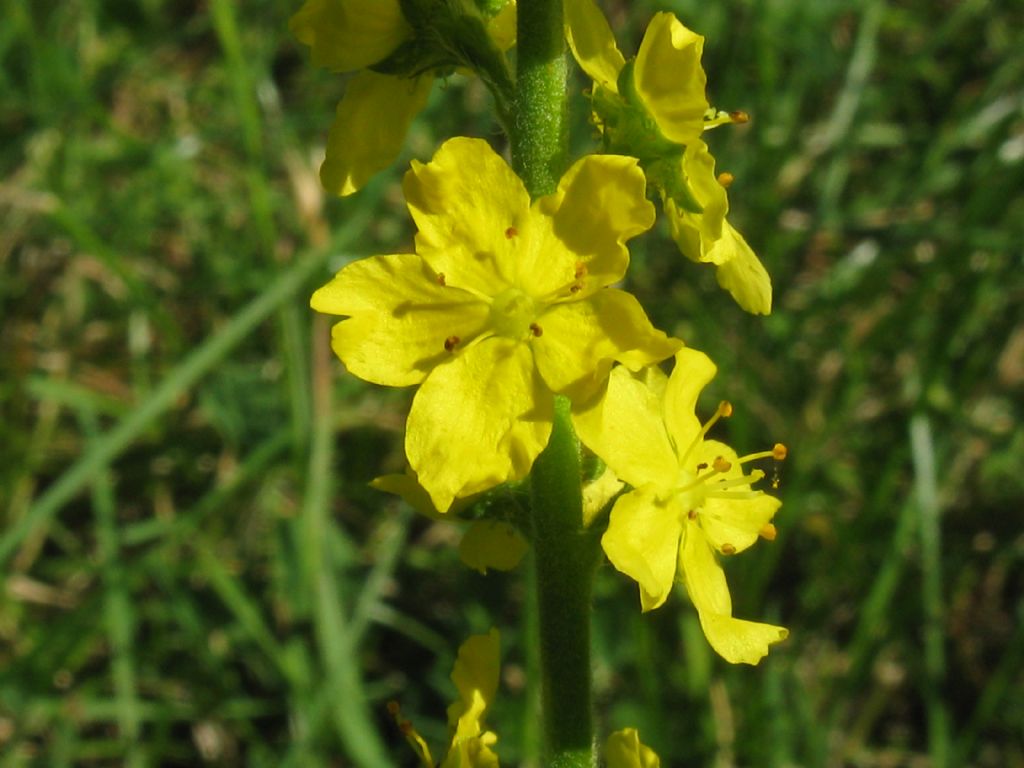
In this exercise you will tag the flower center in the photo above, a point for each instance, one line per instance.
(513, 313)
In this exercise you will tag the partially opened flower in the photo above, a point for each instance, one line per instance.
(396, 69)
(503, 305)
(654, 108)
(691, 500)
(476, 678)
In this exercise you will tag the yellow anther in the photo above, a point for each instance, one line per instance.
(536, 330)
(721, 465)
(725, 409)
(451, 343)
(728, 549)
(767, 532)
(726, 179)
(779, 452)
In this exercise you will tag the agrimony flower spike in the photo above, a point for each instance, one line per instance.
(692, 498)
(503, 305)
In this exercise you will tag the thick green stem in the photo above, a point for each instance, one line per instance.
(565, 554)
(540, 127)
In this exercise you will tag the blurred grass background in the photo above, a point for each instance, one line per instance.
(195, 572)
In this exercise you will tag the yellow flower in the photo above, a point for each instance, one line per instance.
(374, 115)
(655, 108)
(623, 750)
(503, 304)
(476, 679)
(691, 498)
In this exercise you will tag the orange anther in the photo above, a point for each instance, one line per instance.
(767, 532)
(511, 232)
(692, 514)
(721, 465)
(441, 278)
(393, 708)
(725, 408)
(451, 342)
(728, 549)
(726, 179)
(779, 452)
(581, 270)
(739, 116)
(536, 329)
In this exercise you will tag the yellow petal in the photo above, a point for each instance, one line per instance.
(400, 318)
(642, 541)
(478, 421)
(732, 523)
(477, 666)
(600, 203)
(692, 372)
(472, 212)
(737, 522)
(739, 641)
(492, 544)
(697, 233)
(581, 339)
(670, 80)
(598, 493)
(592, 43)
(736, 640)
(625, 429)
(743, 275)
(346, 35)
(369, 128)
(623, 749)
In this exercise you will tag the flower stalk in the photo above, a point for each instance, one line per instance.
(565, 554)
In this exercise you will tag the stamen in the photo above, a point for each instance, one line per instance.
(441, 278)
(451, 343)
(692, 514)
(575, 288)
(726, 179)
(728, 549)
(720, 465)
(581, 270)
(731, 482)
(779, 452)
(537, 330)
(739, 117)
(511, 232)
(724, 411)
(702, 466)
(767, 532)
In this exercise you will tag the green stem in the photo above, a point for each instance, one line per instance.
(565, 554)
(540, 136)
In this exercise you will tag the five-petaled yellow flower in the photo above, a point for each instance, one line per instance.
(654, 107)
(374, 115)
(504, 304)
(691, 498)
